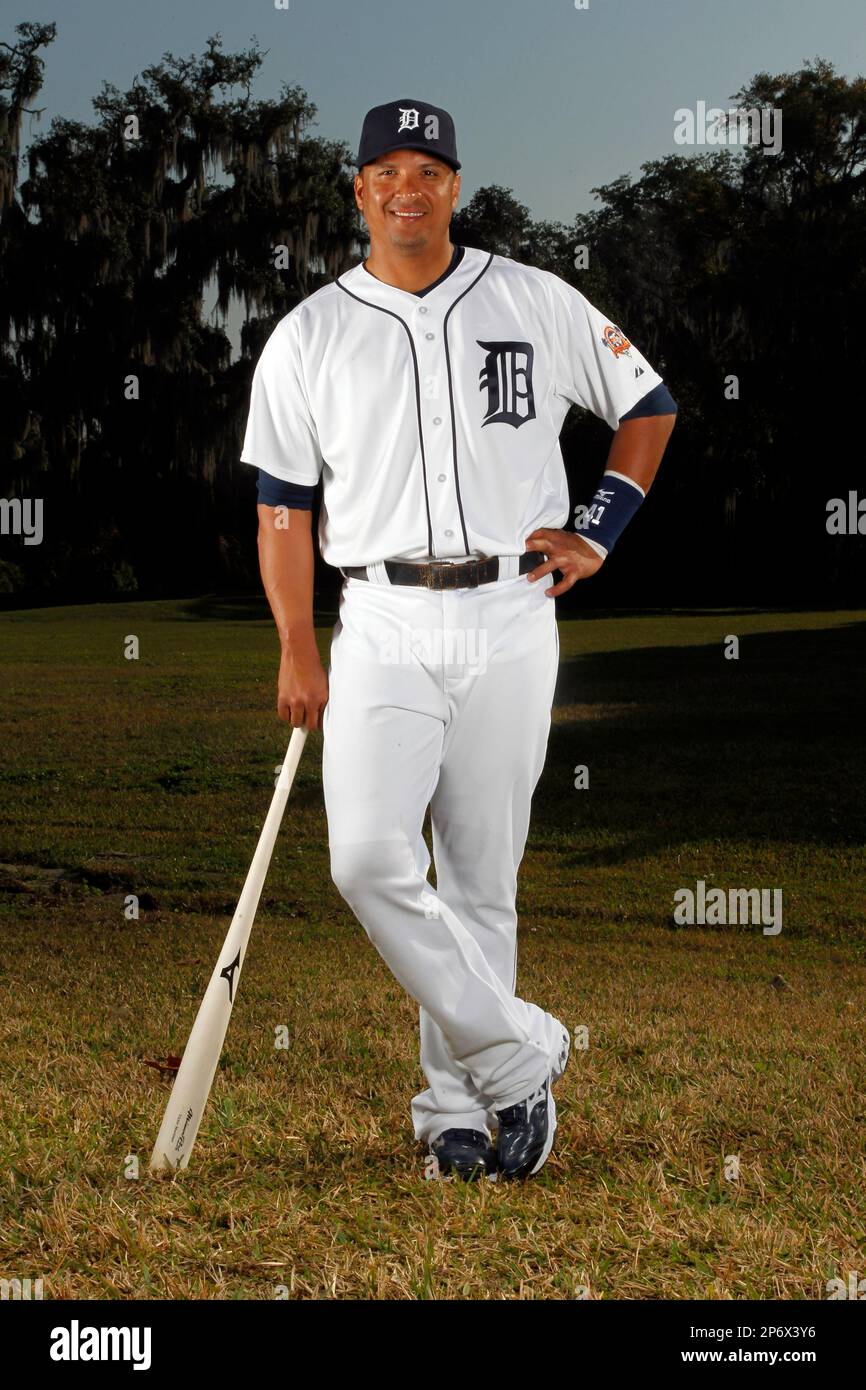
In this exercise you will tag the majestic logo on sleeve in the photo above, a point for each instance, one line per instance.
(507, 378)
(615, 339)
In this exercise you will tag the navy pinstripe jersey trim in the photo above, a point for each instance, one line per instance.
(391, 314)
(455, 260)
(483, 271)
(276, 492)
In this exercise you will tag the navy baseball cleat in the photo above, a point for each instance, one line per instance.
(526, 1133)
(464, 1153)
(527, 1129)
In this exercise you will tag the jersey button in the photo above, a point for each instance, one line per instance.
(422, 308)
(449, 533)
(441, 478)
(437, 419)
(429, 336)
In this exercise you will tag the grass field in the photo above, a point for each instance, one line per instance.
(153, 777)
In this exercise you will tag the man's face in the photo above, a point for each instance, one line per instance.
(407, 198)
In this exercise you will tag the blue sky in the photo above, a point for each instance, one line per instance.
(548, 100)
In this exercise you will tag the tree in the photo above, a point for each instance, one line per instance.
(739, 273)
(128, 410)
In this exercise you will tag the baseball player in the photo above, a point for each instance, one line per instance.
(427, 387)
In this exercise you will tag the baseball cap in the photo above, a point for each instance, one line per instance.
(408, 125)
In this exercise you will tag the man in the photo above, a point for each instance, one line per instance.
(427, 387)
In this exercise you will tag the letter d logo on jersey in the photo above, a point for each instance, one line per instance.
(507, 377)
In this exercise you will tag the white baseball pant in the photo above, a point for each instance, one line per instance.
(443, 698)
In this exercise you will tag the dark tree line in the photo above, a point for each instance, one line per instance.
(123, 411)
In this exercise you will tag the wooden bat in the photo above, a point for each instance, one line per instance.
(196, 1072)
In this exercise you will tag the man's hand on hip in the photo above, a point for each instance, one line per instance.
(566, 552)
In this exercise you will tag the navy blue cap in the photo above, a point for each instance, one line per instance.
(408, 125)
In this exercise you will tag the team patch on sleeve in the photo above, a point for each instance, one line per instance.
(615, 339)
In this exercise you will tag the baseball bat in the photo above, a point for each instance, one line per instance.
(195, 1074)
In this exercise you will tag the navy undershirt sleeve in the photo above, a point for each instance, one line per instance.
(658, 401)
(275, 492)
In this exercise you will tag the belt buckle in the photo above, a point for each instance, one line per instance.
(437, 572)
(434, 573)
(439, 569)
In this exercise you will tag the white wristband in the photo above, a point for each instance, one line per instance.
(612, 473)
(599, 549)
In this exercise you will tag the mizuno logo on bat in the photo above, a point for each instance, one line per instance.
(507, 378)
(228, 974)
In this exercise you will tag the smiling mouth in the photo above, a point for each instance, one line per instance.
(407, 216)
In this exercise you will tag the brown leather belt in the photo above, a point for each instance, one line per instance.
(447, 574)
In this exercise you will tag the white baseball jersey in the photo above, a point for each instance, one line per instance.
(434, 421)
